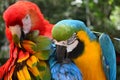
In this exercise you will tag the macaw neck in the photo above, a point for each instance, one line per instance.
(83, 36)
(90, 60)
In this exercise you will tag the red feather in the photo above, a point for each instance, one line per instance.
(6, 68)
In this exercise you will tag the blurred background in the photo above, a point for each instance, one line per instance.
(98, 15)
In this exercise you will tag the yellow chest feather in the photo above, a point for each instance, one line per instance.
(89, 62)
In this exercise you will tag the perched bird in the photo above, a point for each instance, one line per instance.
(93, 55)
(27, 32)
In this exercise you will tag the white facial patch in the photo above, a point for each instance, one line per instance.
(26, 24)
(72, 46)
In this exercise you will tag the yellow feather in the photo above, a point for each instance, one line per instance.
(90, 62)
(34, 70)
(26, 73)
(45, 71)
(20, 75)
(32, 61)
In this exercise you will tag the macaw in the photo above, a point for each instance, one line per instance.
(62, 68)
(28, 33)
(93, 55)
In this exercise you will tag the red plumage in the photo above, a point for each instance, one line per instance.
(13, 16)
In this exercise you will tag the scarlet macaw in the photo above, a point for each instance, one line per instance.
(94, 56)
(28, 32)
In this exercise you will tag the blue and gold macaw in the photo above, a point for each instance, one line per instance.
(93, 55)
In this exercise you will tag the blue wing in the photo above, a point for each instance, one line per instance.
(108, 56)
(63, 71)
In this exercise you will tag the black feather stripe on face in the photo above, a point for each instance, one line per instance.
(77, 51)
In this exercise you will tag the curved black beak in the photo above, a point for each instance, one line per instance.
(22, 35)
(60, 52)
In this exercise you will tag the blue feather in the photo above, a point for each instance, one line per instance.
(109, 57)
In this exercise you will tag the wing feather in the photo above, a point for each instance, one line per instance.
(108, 56)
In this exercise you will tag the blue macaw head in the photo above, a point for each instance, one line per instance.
(64, 29)
(66, 37)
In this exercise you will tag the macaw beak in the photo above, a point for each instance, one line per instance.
(60, 52)
(69, 51)
(16, 33)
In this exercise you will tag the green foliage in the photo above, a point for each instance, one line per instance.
(54, 10)
(118, 72)
(115, 17)
(98, 13)
(3, 5)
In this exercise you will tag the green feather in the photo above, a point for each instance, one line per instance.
(42, 47)
(43, 55)
(44, 70)
(32, 35)
(42, 43)
(60, 30)
(16, 39)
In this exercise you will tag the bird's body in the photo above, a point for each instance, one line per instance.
(93, 55)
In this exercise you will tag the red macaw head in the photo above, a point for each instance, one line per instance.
(24, 17)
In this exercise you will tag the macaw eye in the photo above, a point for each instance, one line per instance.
(62, 43)
(72, 39)
(27, 16)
